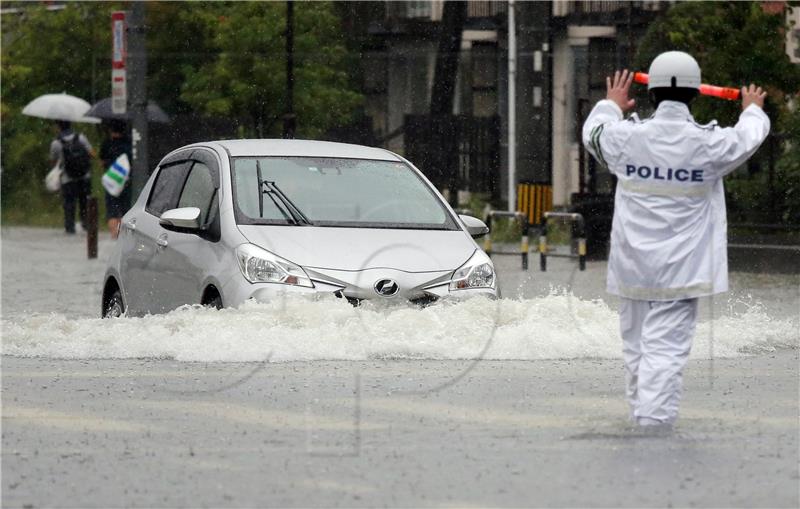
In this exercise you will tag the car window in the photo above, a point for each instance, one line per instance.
(199, 191)
(167, 188)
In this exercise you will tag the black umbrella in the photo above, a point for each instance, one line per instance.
(102, 109)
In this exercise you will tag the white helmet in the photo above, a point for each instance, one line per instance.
(674, 69)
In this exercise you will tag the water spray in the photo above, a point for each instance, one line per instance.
(731, 94)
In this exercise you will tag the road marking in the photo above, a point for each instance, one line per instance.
(71, 421)
(486, 415)
(278, 418)
(340, 487)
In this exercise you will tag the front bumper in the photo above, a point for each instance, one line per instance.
(415, 288)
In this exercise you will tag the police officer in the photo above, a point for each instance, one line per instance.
(669, 233)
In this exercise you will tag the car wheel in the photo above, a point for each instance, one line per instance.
(114, 308)
(213, 301)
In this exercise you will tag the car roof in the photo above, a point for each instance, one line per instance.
(303, 148)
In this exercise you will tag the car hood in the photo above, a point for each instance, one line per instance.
(354, 249)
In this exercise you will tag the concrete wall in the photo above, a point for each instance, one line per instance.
(566, 141)
(565, 153)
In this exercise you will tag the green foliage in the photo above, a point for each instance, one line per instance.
(45, 52)
(788, 175)
(218, 58)
(738, 43)
(179, 41)
(754, 200)
(246, 76)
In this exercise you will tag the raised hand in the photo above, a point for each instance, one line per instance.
(617, 90)
(752, 95)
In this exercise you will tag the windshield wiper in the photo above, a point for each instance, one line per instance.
(286, 207)
(297, 214)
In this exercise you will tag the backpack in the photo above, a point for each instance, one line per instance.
(77, 162)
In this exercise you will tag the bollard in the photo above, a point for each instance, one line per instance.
(91, 228)
(524, 247)
(578, 235)
(543, 246)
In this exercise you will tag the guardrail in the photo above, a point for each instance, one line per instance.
(578, 234)
(524, 242)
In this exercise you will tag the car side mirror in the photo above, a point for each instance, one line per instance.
(475, 227)
(185, 219)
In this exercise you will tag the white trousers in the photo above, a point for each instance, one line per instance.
(656, 340)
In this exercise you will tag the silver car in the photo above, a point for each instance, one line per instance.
(225, 221)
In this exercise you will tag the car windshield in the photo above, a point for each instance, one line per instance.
(334, 192)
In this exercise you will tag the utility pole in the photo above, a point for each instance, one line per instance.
(289, 119)
(137, 96)
(512, 108)
(443, 153)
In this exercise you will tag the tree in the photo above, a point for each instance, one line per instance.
(738, 43)
(215, 58)
(46, 51)
(246, 76)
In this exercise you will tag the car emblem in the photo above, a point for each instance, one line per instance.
(386, 288)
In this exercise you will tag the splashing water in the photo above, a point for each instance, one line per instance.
(558, 326)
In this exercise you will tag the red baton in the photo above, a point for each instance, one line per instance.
(731, 94)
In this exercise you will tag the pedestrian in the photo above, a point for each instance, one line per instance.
(114, 146)
(669, 233)
(73, 153)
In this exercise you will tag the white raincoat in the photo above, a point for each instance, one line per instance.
(669, 234)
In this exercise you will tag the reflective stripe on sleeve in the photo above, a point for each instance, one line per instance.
(595, 141)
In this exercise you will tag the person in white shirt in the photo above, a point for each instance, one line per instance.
(669, 231)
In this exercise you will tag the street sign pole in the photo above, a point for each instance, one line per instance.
(137, 98)
(512, 109)
(119, 43)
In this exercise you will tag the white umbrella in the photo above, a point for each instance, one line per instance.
(60, 107)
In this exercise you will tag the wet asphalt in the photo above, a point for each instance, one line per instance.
(405, 433)
(408, 433)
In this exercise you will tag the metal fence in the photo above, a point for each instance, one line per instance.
(456, 151)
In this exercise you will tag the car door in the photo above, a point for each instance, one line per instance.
(141, 270)
(188, 258)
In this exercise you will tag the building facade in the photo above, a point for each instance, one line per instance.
(564, 51)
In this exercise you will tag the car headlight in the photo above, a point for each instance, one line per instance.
(261, 266)
(478, 272)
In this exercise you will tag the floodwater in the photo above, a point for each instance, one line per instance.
(376, 406)
(51, 299)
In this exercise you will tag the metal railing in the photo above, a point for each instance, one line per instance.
(524, 241)
(432, 10)
(578, 235)
(485, 9)
(565, 8)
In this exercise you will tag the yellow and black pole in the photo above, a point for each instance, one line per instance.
(524, 243)
(524, 247)
(543, 245)
(578, 238)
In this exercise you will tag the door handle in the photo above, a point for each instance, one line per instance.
(161, 241)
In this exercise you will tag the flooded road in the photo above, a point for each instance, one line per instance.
(515, 402)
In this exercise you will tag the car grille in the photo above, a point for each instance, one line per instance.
(422, 301)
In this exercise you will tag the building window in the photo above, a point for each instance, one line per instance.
(484, 79)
